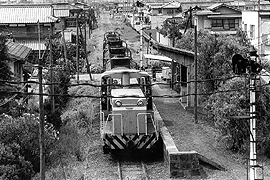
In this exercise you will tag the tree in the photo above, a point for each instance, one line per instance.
(19, 146)
(232, 102)
(171, 29)
(5, 73)
(62, 77)
(214, 55)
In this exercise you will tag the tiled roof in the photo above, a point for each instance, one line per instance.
(61, 12)
(214, 6)
(171, 5)
(26, 14)
(33, 44)
(18, 51)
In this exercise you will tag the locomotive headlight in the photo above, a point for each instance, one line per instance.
(118, 103)
(140, 102)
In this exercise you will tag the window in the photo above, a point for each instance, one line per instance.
(252, 31)
(245, 27)
(231, 23)
(217, 23)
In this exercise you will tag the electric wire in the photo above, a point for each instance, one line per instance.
(101, 96)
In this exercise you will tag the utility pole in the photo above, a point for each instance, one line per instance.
(252, 157)
(51, 69)
(141, 46)
(133, 9)
(195, 73)
(252, 92)
(259, 29)
(77, 47)
(65, 46)
(41, 113)
(240, 66)
(85, 50)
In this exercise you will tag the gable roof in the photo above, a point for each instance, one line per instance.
(17, 51)
(218, 5)
(171, 5)
(16, 14)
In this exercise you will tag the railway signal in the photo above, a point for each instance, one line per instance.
(241, 66)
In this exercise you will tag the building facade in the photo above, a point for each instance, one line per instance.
(219, 18)
(28, 23)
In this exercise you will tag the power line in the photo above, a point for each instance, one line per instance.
(94, 96)
(96, 85)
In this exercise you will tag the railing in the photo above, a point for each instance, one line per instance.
(154, 122)
(104, 123)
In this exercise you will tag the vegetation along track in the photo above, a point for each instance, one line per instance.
(130, 168)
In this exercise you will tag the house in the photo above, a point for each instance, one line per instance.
(19, 55)
(25, 23)
(250, 5)
(257, 24)
(170, 8)
(61, 11)
(219, 18)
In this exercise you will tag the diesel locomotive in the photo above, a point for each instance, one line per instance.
(126, 106)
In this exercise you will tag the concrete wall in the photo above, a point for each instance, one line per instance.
(178, 164)
(251, 18)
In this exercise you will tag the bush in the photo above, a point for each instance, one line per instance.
(221, 106)
(13, 165)
(67, 145)
(24, 133)
(235, 133)
(97, 69)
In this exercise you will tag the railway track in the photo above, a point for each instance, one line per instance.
(132, 170)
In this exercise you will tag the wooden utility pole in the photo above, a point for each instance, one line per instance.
(41, 114)
(141, 46)
(77, 47)
(51, 69)
(85, 50)
(90, 22)
(195, 73)
(259, 29)
(65, 46)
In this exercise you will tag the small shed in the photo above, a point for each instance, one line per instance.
(18, 54)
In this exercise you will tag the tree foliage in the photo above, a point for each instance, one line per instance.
(214, 55)
(234, 132)
(19, 146)
(5, 73)
(61, 76)
(171, 29)
(222, 106)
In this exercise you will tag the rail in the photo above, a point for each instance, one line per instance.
(152, 119)
(131, 169)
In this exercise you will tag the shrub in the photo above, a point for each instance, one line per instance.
(13, 164)
(24, 133)
(97, 69)
(234, 132)
(221, 106)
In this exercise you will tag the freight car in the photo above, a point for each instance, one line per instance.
(126, 111)
(115, 52)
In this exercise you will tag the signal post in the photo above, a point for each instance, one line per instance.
(240, 66)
